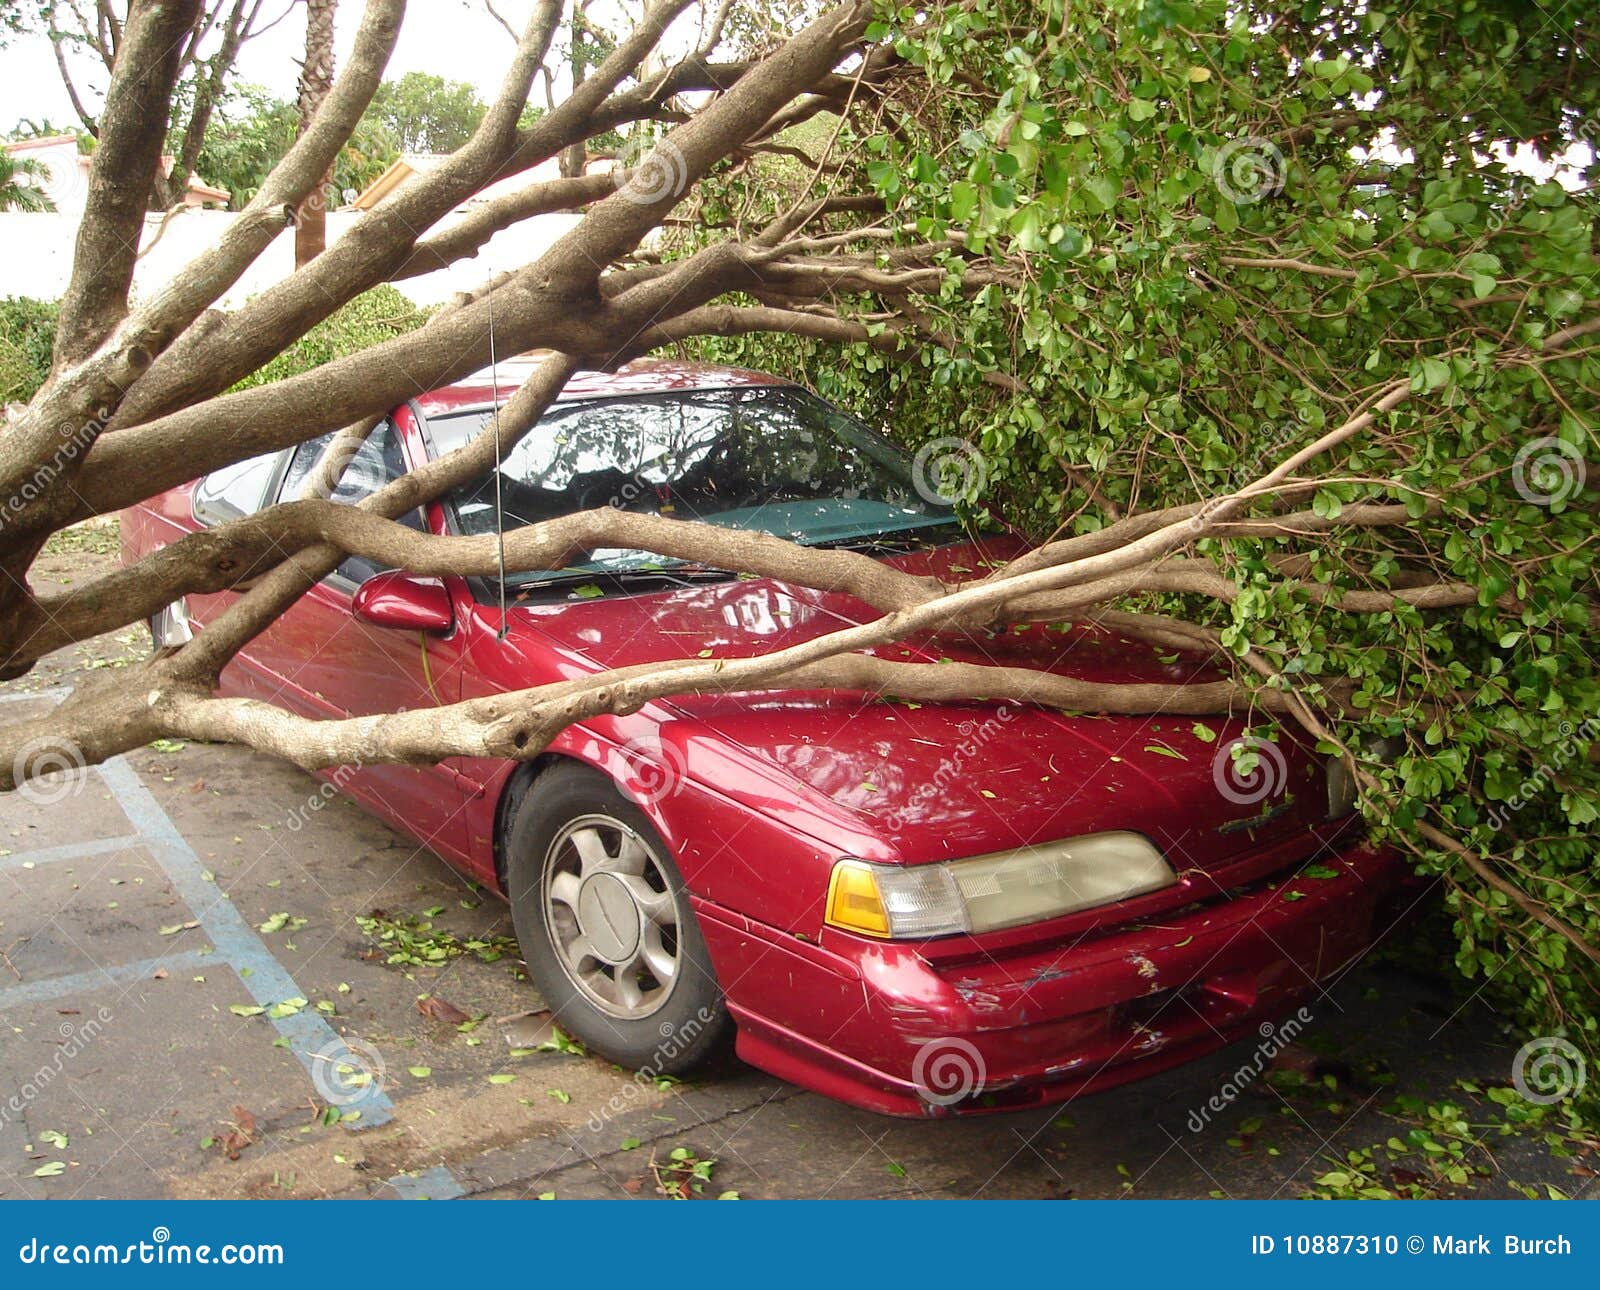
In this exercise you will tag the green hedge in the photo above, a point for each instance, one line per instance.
(370, 319)
(27, 337)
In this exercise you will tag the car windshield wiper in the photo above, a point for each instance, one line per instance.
(894, 541)
(624, 579)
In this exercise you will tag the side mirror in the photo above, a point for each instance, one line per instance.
(397, 599)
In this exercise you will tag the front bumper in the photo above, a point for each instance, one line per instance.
(919, 1030)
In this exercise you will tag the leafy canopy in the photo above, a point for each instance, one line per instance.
(1223, 228)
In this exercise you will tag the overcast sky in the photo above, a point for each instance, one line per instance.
(455, 39)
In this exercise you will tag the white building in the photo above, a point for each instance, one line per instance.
(66, 174)
(36, 249)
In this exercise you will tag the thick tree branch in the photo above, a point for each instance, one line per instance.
(132, 132)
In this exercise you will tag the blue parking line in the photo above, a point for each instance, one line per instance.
(68, 851)
(314, 1043)
(59, 987)
(311, 1039)
(437, 1183)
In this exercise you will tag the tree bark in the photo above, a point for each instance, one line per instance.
(316, 79)
(122, 174)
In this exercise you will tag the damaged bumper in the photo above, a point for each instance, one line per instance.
(930, 1029)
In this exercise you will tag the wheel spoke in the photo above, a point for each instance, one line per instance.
(580, 952)
(591, 849)
(663, 964)
(629, 995)
(564, 887)
(658, 906)
(633, 857)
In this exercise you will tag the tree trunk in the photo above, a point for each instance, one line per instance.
(575, 158)
(210, 81)
(316, 79)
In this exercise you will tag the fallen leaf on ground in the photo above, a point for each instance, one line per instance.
(434, 1008)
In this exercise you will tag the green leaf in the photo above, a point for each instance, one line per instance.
(1434, 373)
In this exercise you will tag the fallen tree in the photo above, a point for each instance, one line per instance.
(1311, 372)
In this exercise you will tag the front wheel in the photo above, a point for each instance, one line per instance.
(605, 926)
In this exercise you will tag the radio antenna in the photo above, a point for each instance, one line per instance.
(499, 501)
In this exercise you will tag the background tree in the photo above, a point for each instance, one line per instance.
(22, 184)
(1239, 306)
(316, 80)
(425, 113)
(252, 131)
(207, 52)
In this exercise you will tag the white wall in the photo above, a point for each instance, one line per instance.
(36, 253)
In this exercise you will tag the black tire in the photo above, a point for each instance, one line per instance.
(670, 1034)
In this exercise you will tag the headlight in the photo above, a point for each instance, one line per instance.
(987, 893)
(1342, 788)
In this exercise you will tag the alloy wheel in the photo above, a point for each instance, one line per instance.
(612, 916)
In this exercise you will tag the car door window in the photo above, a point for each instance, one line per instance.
(376, 462)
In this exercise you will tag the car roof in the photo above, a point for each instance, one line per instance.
(643, 376)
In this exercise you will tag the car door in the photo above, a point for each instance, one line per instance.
(328, 663)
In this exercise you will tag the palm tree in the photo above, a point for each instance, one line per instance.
(316, 79)
(22, 181)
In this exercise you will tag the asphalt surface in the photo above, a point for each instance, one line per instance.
(186, 990)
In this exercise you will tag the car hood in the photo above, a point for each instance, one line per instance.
(911, 782)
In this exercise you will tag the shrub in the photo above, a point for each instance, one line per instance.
(27, 337)
(370, 319)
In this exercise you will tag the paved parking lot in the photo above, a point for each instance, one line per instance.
(192, 977)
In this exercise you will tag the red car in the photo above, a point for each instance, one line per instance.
(918, 909)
